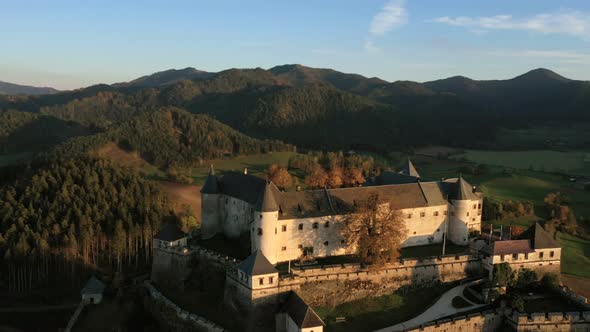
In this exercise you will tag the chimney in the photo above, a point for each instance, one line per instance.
(245, 170)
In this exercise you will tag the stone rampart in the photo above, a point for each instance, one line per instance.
(175, 317)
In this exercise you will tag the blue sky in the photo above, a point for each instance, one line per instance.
(70, 44)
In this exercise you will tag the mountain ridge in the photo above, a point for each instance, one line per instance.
(7, 88)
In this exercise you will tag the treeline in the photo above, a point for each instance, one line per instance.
(170, 137)
(493, 210)
(73, 215)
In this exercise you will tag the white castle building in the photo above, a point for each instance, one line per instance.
(281, 224)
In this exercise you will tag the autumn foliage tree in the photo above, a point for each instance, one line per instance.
(280, 176)
(353, 177)
(375, 230)
(317, 178)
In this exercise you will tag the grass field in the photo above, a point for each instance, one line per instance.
(552, 137)
(575, 255)
(378, 312)
(571, 162)
(256, 165)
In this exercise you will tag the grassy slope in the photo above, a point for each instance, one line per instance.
(378, 312)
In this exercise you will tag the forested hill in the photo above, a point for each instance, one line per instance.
(16, 89)
(73, 216)
(317, 108)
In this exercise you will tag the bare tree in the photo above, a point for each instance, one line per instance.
(375, 230)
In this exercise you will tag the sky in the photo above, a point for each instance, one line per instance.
(72, 44)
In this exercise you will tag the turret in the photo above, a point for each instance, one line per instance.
(264, 231)
(463, 213)
(210, 200)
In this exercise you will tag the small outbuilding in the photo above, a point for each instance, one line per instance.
(93, 290)
(298, 316)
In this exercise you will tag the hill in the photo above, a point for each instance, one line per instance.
(166, 77)
(324, 108)
(16, 89)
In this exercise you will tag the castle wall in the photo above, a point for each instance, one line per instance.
(288, 237)
(236, 216)
(543, 261)
(332, 285)
(170, 265)
(486, 321)
(210, 215)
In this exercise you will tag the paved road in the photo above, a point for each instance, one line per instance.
(443, 307)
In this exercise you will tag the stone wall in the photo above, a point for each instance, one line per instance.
(486, 321)
(491, 320)
(171, 315)
(332, 285)
(549, 321)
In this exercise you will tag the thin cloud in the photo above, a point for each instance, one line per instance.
(569, 22)
(392, 15)
(561, 56)
(371, 47)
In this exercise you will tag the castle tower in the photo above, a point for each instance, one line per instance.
(462, 212)
(264, 233)
(210, 213)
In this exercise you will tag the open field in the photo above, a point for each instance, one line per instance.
(552, 137)
(575, 255)
(256, 165)
(182, 195)
(570, 162)
(125, 158)
(379, 312)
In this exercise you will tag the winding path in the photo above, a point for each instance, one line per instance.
(441, 308)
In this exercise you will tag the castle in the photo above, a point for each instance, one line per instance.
(282, 224)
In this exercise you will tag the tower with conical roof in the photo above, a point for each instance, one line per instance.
(210, 200)
(465, 213)
(264, 236)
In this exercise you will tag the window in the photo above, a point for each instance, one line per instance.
(283, 248)
(526, 256)
(315, 225)
(438, 229)
(300, 246)
(445, 212)
(327, 224)
(474, 206)
(541, 254)
(422, 214)
(326, 243)
(479, 206)
(472, 219)
(409, 216)
(261, 281)
(270, 280)
(300, 227)
(502, 258)
(551, 254)
(260, 231)
(468, 213)
(436, 213)
(414, 233)
(284, 228)
(452, 213)
(514, 256)
(342, 242)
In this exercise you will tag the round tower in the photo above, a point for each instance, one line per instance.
(264, 231)
(210, 213)
(461, 202)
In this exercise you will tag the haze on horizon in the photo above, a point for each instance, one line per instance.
(67, 45)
